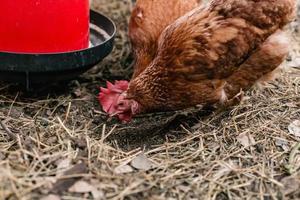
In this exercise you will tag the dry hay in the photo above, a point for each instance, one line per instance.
(51, 140)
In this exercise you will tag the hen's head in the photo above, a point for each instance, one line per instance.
(115, 102)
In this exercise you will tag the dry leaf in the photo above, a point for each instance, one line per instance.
(2, 156)
(51, 197)
(141, 162)
(123, 169)
(246, 139)
(97, 194)
(80, 142)
(63, 185)
(291, 184)
(282, 143)
(295, 63)
(294, 128)
(63, 164)
(225, 169)
(183, 188)
(78, 92)
(81, 187)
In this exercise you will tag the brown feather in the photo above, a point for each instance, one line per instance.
(148, 20)
(203, 50)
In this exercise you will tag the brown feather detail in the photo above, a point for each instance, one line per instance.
(260, 66)
(194, 62)
(148, 20)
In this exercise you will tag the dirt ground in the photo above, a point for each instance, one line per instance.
(57, 144)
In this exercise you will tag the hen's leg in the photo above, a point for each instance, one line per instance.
(260, 66)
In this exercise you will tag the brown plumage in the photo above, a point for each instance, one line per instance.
(209, 55)
(148, 20)
(200, 51)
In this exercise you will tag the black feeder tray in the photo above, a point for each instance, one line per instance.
(39, 70)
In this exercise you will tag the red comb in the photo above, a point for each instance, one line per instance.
(109, 96)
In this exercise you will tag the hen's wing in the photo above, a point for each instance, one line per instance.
(260, 66)
(212, 44)
(148, 20)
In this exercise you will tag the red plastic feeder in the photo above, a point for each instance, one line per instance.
(48, 41)
(44, 26)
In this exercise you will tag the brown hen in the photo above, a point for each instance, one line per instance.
(209, 55)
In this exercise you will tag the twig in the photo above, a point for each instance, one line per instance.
(64, 127)
(293, 153)
(10, 134)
